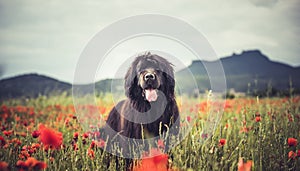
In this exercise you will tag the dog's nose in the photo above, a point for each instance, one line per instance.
(149, 76)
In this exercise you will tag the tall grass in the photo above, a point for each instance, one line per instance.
(253, 129)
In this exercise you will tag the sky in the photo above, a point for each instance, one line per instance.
(48, 37)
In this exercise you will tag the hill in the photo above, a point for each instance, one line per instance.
(31, 85)
(249, 71)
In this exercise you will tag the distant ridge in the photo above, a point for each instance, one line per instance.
(31, 85)
(248, 71)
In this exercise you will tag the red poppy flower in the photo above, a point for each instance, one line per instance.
(35, 134)
(3, 166)
(75, 136)
(85, 135)
(93, 144)
(8, 133)
(102, 110)
(292, 155)
(100, 143)
(244, 129)
(244, 166)
(158, 162)
(16, 141)
(226, 126)
(50, 137)
(4, 108)
(257, 118)
(222, 142)
(75, 147)
(91, 153)
(31, 164)
(298, 153)
(95, 134)
(292, 141)
(188, 118)
(35, 145)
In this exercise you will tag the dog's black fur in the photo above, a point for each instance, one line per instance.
(128, 116)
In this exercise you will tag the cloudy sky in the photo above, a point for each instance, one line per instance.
(47, 37)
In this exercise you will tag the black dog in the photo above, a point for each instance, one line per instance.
(150, 109)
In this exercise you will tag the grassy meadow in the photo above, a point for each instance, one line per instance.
(253, 134)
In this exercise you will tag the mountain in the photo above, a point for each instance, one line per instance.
(31, 85)
(249, 71)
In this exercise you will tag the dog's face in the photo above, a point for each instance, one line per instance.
(149, 78)
(148, 74)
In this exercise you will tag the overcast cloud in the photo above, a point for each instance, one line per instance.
(47, 37)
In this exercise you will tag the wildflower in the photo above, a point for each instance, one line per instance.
(8, 133)
(67, 122)
(91, 153)
(292, 141)
(31, 164)
(93, 144)
(51, 159)
(222, 142)
(24, 154)
(244, 129)
(22, 134)
(100, 143)
(83, 141)
(158, 162)
(290, 118)
(228, 104)
(191, 110)
(160, 144)
(75, 136)
(292, 155)
(35, 134)
(298, 153)
(50, 137)
(257, 118)
(95, 134)
(4, 108)
(25, 147)
(25, 123)
(188, 118)
(85, 135)
(226, 126)
(75, 147)
(35, 145)
(3, 166)
(244, 122)
(16, 141)
(2, 141)
(102, 110)
(204, 136)
(244, 166)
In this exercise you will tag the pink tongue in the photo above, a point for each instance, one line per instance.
(151, 95)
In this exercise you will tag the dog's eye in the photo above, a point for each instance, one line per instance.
(158, 70)
(142, 72)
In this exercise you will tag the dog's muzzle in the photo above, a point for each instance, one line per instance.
(150, 87)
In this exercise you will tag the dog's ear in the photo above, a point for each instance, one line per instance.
(132, 89)
(168, 74)
(168, 83)
(129, 80)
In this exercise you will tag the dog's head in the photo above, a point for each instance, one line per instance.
(148, 74)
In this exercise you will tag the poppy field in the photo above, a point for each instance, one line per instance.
(253, 134)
